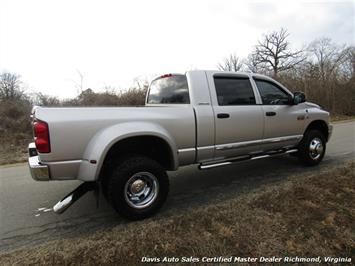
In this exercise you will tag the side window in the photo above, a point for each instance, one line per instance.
(234, 91)
(271, 94)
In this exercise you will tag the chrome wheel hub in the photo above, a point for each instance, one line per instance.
(141, 190)
(316, 148)
(138, 186)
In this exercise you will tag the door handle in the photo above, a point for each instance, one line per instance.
(223, 115)
(270, 113)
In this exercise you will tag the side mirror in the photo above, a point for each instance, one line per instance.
(298, 97)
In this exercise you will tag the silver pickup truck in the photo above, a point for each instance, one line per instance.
(208, 118)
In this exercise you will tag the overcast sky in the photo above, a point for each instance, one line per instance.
(113, 42)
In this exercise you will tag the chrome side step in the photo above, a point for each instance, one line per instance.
(245, 158)
(73, 196)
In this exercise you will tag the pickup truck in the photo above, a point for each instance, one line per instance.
(207, 118)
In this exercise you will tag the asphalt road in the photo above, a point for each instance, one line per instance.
(26, 216)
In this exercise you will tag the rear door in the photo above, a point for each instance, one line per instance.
(239, 120)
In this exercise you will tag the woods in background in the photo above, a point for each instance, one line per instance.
(16, 105)
(323, 70)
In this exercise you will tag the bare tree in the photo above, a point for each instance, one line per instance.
(231, 63)
(352, 62)
(274, 53)
(347, 65)
(330, 60)
(141, 83)
(80, 85)
(10, 86)
(45, 100)
(253, 65)
(328, 56)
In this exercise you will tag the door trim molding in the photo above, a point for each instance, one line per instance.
(230, 146)
(186, 150)
(243, 144)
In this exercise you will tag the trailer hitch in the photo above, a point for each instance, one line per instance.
(76, 194)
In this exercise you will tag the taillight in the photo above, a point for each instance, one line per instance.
(41, 135)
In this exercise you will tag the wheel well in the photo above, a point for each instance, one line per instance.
(319, 125)
(150, 146)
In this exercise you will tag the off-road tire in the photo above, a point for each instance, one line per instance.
(121, 174)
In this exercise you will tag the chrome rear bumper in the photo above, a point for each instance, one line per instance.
(39, 172)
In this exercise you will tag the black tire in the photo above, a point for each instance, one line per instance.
(120, 182)
(312, 138)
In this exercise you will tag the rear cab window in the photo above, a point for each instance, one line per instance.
(169, 89)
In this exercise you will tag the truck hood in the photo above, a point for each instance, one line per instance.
(309, 104)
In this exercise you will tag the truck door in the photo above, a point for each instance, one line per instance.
(284, 122)
(239, 120)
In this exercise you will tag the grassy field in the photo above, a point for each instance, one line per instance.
(302, 215)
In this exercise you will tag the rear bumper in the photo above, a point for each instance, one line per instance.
(39, 172)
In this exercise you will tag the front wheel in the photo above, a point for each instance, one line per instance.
(311, 149)
(137, 187)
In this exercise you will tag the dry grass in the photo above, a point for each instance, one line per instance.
(14, 150)
(311, 215)
(339, 118)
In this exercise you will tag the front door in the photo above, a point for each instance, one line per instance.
(284, 122)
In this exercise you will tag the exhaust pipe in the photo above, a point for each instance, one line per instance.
(73, 196)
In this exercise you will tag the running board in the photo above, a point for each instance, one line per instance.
(245, 158)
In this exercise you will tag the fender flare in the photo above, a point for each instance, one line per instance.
(103, 140)
(322, 125)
